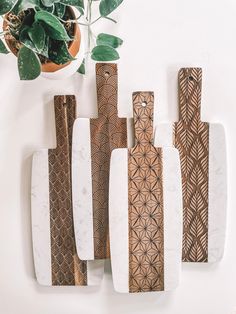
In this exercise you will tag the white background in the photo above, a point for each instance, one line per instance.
(159, 38)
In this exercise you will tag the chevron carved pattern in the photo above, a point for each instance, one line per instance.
(191, 137)
(67, 269)
(146, 217)
(107, 133)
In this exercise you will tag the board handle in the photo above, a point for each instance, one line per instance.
(65, 114)
(190, 90)
(107, 89)
(143, 110)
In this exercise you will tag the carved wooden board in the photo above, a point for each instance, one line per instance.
(93, 142)
(203, 162)
(56, 260)
(145, 200)
(191, 137)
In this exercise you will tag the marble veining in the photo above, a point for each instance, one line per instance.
(217, 193)
(173, 218)
(40, 214)
(82, 189)
(118, 219)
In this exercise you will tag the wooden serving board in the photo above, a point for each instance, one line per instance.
(55, 258)
(93, 142)
(202, 148)
(145, 209)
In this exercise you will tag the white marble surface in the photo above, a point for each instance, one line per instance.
(40, 215)
(95, 272)
(217, 193)
(173, 218)
(82, 189)
(118, 219)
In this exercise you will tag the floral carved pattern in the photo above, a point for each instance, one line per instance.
(191, 137)
(146, 221)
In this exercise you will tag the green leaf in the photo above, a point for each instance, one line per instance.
(22, 5)
(79, 3)
(37, 35)
(6, 6)
(109, 40)
(47, 3)
(108, 6)
(60, 10)
(49, 9)
(59, 53)
(26, 41)
(29, 44)
(54, 28)
(3, 48)
(81, 10)
(81, 69)
(104, 53)
(24, 38)
(44, 52)
(29, 65)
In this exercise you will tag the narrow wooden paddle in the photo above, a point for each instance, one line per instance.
(145, 209)
(55, 257)
(202, 148)
(93, 142)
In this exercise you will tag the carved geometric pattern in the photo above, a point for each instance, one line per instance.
(107, 133)
(191, 137)
(67, 269)
(146, 217)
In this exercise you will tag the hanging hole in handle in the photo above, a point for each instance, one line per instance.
(107, 74)
(144, 104)
(191, 78)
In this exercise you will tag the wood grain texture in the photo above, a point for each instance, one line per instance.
(146, 208)
(191, 137)
(67, 269)
(107, 133)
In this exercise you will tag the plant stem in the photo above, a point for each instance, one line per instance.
(110, 19)
(89, 18)
(79, 17)
(83, 24)
(72, 21)
(96, 20)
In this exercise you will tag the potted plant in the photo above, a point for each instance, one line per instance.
(45, 35)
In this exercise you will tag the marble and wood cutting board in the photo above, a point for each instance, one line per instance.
(145, 209)
(55, 258)
(202, 148)
(93, 142)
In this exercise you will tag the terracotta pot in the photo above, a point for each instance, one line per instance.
(50, 67)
